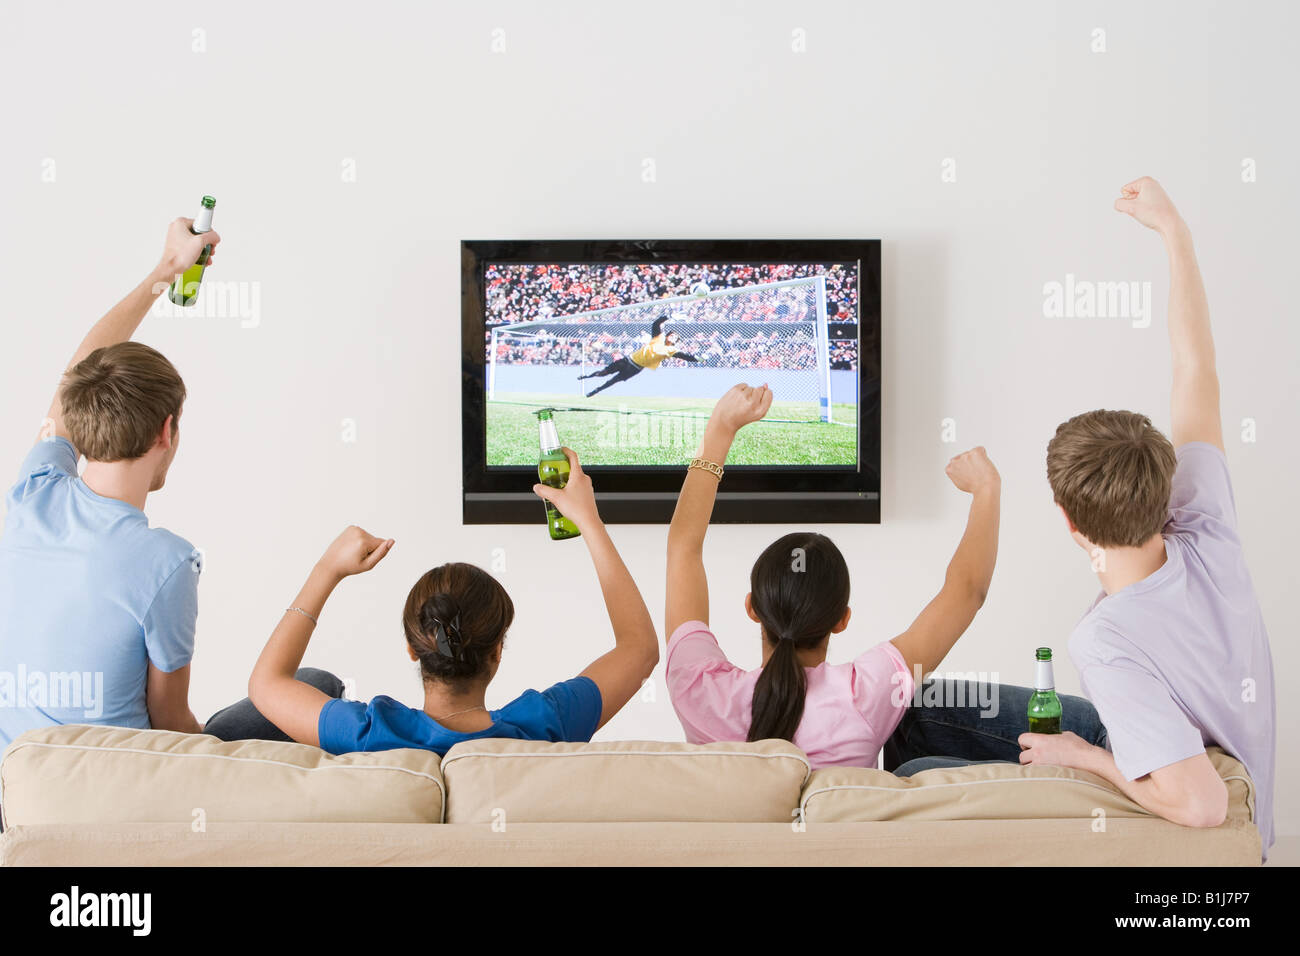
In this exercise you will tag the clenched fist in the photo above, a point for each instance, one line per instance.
(971, 471)
(353, 552)
(741, 405)
(1146, 201)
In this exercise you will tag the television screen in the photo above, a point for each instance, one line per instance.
(632, 356)
(630, 343)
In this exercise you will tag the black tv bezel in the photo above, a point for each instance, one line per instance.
(751, 494)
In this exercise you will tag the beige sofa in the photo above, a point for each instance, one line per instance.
(86, 796)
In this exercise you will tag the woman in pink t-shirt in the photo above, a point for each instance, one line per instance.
(838, 714)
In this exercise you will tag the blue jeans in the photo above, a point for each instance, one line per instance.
(975, 722)
(243, 721)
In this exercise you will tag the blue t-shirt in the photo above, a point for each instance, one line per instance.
(569, 711)
(90, 595)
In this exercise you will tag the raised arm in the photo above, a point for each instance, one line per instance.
(687, 597)
(181, 250)
(1195, 395)
(618, 673)
(970, 572)
(290, 704)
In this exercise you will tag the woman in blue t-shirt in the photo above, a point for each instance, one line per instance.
(456, 618)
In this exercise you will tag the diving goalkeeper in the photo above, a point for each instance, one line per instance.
(662, 345)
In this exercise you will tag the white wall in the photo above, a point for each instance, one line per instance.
(359, 306)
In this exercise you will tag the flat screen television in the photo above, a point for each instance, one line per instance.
(631, 342)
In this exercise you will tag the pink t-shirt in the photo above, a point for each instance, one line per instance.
(849, 712)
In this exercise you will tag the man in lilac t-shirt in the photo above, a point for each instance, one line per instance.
(1173, 653)
(1180, 660)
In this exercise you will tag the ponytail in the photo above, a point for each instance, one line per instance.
(779, 695)
(799, 591)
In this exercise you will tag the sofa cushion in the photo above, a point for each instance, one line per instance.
(503, 781)
(998, 791)
(84, 774)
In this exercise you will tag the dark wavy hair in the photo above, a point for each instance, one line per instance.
(471, 610)
(799, 590)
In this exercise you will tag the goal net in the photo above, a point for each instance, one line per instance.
(774, 332)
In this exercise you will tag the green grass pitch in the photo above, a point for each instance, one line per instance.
(607, 430)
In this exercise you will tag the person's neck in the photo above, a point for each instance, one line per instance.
(128, 481)
(807, 656)
(458, 711)
(1124, 566)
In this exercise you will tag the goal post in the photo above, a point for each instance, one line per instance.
(534, 342)
(771, 331)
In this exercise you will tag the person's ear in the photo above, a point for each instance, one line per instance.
(496, 652)
(1075, 533)
(844, 621)
(166, 435)
(410, 652)
(1068, 523)
(749, 608)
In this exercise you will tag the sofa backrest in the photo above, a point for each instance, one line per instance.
(998, 791)
(78, 774)
(92, 774)
(501, 781)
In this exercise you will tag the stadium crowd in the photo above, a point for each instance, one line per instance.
(569, 293)
(527, 293)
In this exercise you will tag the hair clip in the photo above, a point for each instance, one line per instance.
(449, 644)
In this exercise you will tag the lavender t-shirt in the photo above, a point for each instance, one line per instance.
(1180, 660)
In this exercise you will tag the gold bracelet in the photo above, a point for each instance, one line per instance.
(712, 467)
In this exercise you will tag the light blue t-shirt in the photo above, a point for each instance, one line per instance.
(1180, 660)
(567, 711)
(90, 595)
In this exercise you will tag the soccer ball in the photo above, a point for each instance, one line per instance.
(700, 290)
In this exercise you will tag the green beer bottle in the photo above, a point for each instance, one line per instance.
(553, 471)
(1044, 706)
(185, 291)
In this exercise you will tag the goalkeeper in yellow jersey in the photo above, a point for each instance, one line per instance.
(662, 345)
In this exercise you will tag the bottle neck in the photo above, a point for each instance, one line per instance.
(1043, 679)
(203, 222)
(547, 435)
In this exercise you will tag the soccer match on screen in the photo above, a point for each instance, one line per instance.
(632, 357)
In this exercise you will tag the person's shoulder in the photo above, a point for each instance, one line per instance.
(171, 550)
(533, 698)
(696, 631)
(1098, 637)
(378, 711)
(383, 704)
(560, 695)
(49, 459)
(1194, 451)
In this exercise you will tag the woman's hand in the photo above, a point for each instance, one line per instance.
(577, 499)
(1146, 201)
(741, 405)
(353, 552)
